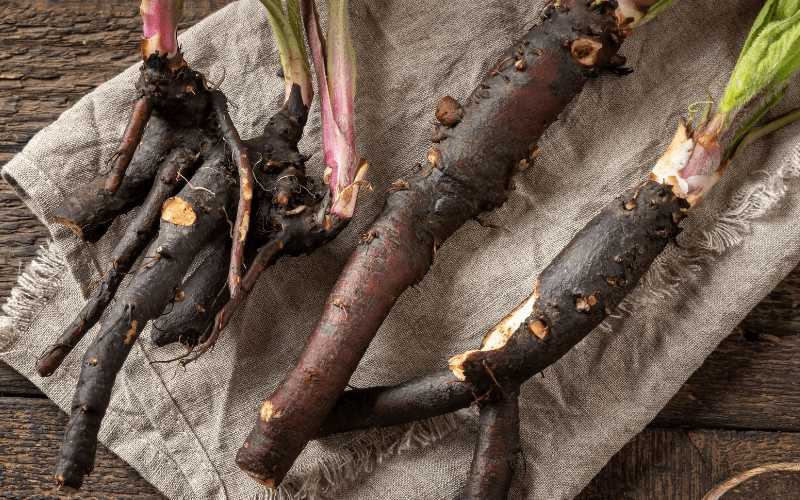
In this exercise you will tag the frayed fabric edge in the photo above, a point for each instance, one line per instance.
(324, 477)
(35, 287)
(727, 229)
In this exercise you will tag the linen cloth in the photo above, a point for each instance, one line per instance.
(181, 432)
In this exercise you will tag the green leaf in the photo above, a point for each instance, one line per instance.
(770, 57)
(296, 22)
(656, 9)
(288, 35)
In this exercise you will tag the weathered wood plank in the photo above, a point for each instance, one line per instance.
(744, 385)
(778, 315)
(14, 384)
(30, 436)
(680, 464)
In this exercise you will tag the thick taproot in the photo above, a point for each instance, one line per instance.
(419, 398)
(480, 146)
(90, 209)
(583, 284)
(290, 208)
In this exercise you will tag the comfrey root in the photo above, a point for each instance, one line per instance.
(604, 261)
(497, 449)
(180, 137)
(480, 147)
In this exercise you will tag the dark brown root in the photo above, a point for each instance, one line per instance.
(204, 294)
(291, 209)
(151, 289)
(467, 173)
(266, 257)
(246, 180)
(580, 288)
(496, 449)
(180, 105)
(605, 261)
(423, 397)
(179, 163)
(142, 109)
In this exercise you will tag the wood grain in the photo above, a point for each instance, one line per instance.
(742, 385)
(776, 315)
(30, 436)
(678, 464)
(14, 384)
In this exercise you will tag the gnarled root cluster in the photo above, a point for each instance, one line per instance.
(186, 174)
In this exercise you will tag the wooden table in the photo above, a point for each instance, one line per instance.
(740, 410)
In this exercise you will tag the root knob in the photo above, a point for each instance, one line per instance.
(539, 329)
(449, 111)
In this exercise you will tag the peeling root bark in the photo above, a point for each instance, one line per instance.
(147, 295)
(480, 146)
(496, 449)
(584, 283)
